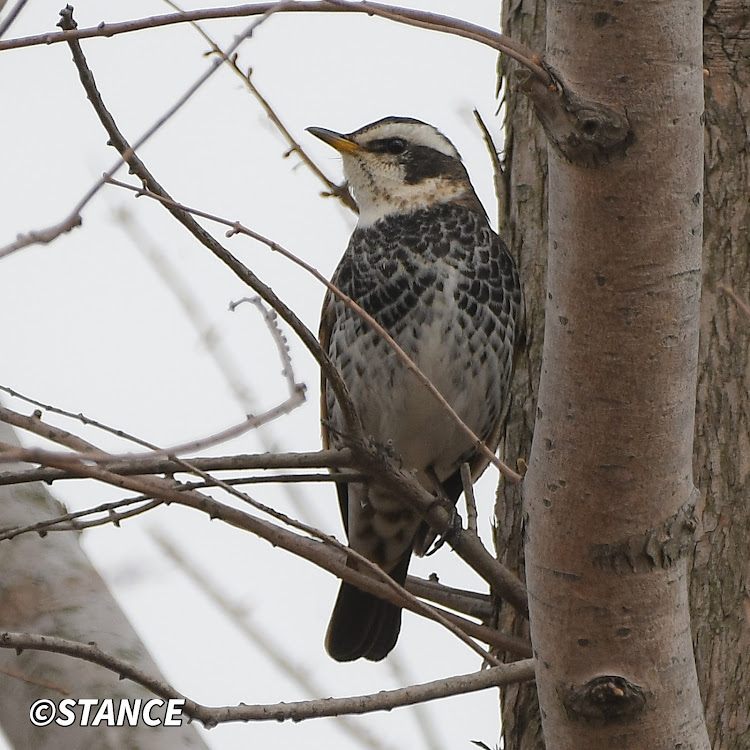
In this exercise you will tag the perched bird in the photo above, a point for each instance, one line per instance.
(424, 262)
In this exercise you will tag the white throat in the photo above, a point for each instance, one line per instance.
(389, 194)
(405, 199)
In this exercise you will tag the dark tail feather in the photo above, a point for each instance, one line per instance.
(363, 625)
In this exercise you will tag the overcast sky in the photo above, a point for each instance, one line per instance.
(91, 325)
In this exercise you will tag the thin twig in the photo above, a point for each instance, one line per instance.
(271, 319)
(741, 304)
(192, 446)
(71, 522)
(339, 191)
(12, 15)
(501, 196)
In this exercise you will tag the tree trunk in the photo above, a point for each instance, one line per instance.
(524, 228)
(722, 389)
(719, 586)
(609, 495)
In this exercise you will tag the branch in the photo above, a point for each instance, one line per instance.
(470, 603)
(408, 16)
(374, 580)
(467, 544)
(473, 604)
(73, 220)
(506, 674)
(7, 22)
(327, 459)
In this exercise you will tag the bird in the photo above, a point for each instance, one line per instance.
(424, 261)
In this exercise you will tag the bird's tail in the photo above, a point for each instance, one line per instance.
(362, 624)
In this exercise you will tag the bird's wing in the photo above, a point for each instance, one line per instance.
(479, 462)
(327, 317)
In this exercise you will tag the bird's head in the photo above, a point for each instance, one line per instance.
(399, 165)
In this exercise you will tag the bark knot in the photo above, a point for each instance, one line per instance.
(589, 134)
(605, 699)
(659, 547)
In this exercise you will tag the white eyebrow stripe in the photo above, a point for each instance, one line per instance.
(420, 134)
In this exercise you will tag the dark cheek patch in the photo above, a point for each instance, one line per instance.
(422, 163)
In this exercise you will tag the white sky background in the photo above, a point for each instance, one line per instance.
(89, 325)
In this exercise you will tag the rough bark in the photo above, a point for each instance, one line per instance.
(48, 586)
(719, 578)
(524, 227)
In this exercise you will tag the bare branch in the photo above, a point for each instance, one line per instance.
(375, 580)
(497, 169)
(12, 15)
(34, 424)
(71, 522)
(505, 674)
(270, 318)
(80, 417)
(73, 220)
(327, 459)
(468, 545)
(471, 603)
(407, 16)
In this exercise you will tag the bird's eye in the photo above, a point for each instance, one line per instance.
(388, 146)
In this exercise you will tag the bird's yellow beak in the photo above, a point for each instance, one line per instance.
(341, 143)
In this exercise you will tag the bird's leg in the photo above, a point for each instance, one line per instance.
(434, 541)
